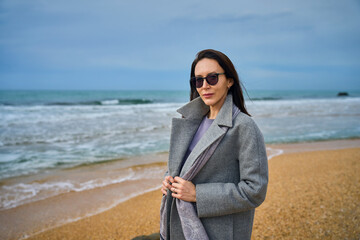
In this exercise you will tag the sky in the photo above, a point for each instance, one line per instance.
(150, 45)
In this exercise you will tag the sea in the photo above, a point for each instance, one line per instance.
(44, 132)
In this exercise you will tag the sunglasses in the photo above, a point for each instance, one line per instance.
(211, 79)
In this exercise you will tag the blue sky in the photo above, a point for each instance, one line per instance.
(141, 44)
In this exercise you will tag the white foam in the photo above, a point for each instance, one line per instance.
(148, 129)
(304, 107)
(21, 193)
(47, 137)
(110, 102)
(274, 152)
(18, 194)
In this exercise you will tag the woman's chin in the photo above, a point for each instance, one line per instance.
(208, 102)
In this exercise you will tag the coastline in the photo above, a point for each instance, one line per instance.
(316, 145)
(133, 217)
(105, 185)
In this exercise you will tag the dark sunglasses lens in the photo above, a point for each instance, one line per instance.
(199, 82)
(212, 79)
(193, 81)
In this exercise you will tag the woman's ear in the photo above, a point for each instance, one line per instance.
(230, 82)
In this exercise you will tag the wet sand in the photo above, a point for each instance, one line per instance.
(311, 194)
(105, 185)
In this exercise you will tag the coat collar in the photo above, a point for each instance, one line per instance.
(197, 109)
(183, 130)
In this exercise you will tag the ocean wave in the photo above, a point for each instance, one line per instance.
(265, 98)
(121, 101)
(21, 193)
(273, 152)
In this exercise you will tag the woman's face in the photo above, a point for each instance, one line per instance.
(212, 95)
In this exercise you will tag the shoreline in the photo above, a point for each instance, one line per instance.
(316, 145)
(80, 197)
(320, 202)
(70, 206)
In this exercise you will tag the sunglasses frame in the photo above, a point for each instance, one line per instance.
(194, 80)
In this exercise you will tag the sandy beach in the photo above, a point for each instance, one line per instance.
(313, 193)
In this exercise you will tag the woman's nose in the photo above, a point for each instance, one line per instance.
(205, 84)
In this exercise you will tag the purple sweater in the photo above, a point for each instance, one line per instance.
(204, 125)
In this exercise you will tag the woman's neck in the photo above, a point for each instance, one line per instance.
(215, 109)
(213, 113)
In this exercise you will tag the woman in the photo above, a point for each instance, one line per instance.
(217, 170)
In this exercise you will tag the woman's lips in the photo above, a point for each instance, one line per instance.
(207, 95)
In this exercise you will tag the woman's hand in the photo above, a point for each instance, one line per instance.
(183, 190)
(166, 184)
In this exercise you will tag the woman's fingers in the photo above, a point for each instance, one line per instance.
(176, 195)
(184, 190)
(178, 184)
(163, 190)
(175, 190)
(181, 189)
(169, 179)
(179, 180)
(175, 185)
(165, 184)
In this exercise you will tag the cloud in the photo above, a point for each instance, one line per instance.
(165, 36)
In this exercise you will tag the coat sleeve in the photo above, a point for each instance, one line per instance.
(217, 199)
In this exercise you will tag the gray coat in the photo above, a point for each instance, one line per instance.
(234, 180)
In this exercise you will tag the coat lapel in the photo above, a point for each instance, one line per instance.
(183, 130)
(211, 135)
(182, 133)
(186, 128)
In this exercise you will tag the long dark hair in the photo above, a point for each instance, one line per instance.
(230, 72)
